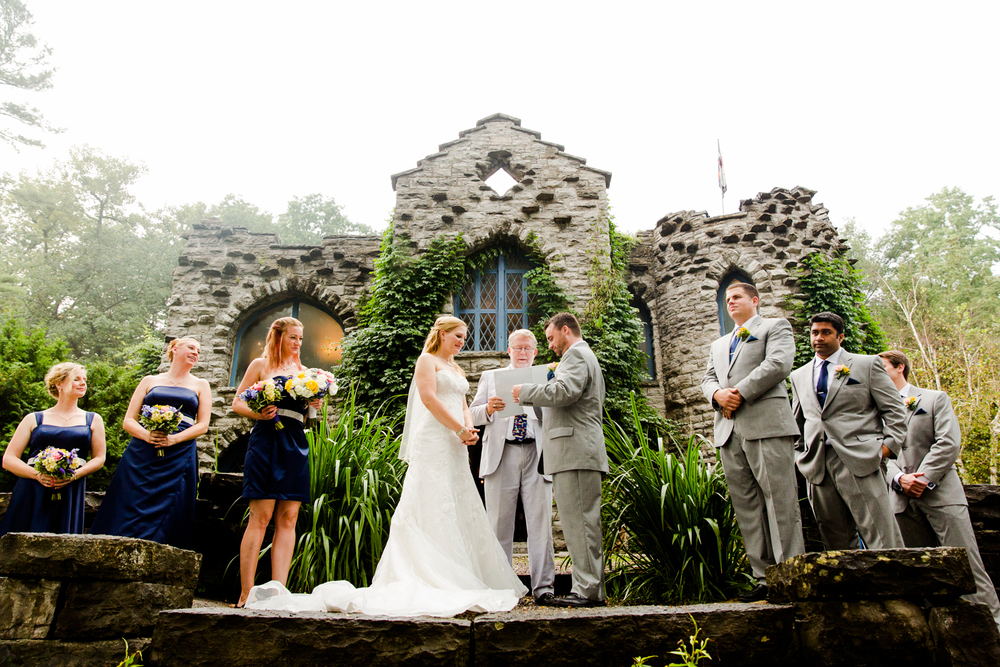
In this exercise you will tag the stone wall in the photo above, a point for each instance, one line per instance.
(226, 275)
(693, 252)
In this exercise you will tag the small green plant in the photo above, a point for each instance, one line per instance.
(131, 659)
(694, 651)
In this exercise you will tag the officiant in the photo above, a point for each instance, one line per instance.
(509, 468)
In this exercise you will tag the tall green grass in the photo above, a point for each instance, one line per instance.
(670, 531)
(356, 478)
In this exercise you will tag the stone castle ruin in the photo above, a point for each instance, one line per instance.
(230, 283)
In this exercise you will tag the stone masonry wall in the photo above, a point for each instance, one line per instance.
(226, 275)
(694, 252)
(558, 198)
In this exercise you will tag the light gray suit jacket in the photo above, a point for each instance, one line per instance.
(933, 443)
(495, 431)
(758, 370)
(862, 412)
(574, 430)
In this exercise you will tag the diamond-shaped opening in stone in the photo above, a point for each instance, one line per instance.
(501, 181)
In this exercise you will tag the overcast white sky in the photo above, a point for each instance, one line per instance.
(876, 105)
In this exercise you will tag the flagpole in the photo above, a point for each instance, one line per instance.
(722, 177)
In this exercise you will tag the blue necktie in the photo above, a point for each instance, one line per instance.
(821, 383)
(520, 430)
(732, 346)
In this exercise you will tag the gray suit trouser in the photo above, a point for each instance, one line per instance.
(846, 505)
(760, 475)
(578, 497)
(924, 525)
(516, 475)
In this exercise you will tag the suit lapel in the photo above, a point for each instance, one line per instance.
(837, 382)
(742, 343)
(909, 413)
(805, 378)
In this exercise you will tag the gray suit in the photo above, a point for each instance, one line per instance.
(840, 453)
(940, 516)
(575, 456)
(509, 470)
(757, 445)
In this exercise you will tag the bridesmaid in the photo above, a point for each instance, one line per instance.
(32, 508)
(276, 469)
(152, 493)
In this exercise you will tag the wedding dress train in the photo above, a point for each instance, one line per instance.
(441, 558)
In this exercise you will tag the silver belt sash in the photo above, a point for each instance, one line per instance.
(187, 421)
(293, 414)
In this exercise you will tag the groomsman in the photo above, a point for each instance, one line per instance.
(851, 418)
(755, 431)
(509, 468)
(574, 453)
(928, 497)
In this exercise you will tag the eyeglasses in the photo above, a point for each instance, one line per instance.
(522, 349)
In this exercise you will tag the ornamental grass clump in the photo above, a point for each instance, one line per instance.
(356, 478)
(670, 531)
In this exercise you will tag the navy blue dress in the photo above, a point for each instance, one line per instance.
(32, 508)
(152, 497)
(277, 461)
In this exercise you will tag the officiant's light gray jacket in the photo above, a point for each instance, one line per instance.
(574, 431)
(758, 370)
(933, 443)
(494, 427)
(863, 411)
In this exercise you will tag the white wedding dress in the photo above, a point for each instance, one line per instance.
(442, 558)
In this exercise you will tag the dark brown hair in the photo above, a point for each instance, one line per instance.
(895, 357)
(560, 320)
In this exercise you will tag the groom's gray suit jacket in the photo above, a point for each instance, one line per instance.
(757, 370)
(574, 430)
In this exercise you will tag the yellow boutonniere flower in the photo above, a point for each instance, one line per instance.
(553, 365)
(742, 333)
(911, 403)
(841, 370)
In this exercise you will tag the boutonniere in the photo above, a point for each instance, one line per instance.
(841, 370)
(911, 403)
(552, 367)
(742, 333)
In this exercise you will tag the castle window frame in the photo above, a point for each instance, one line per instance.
(318, 349)
(482, 304)
(726, 324)
(647, 329)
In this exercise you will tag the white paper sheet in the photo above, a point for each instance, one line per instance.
(506, 378)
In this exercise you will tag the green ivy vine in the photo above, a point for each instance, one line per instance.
(832, 284)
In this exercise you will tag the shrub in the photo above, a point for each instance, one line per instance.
(670, 530)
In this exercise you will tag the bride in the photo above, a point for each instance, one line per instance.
(441, 558)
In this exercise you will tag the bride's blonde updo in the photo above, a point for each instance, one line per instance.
(445, 323)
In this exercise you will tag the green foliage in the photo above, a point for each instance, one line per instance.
(24, 65)
(310, 218)
(670, 530)
(406, 296)
(832, 284)
(694, 651)
(356, 478)
(131, 659)
(25, 356)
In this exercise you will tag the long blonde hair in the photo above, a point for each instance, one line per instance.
(445, 323)
(272, 346)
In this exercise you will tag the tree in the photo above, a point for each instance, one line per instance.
(310, 218)
(23, 66)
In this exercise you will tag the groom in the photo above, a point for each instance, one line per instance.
(574, 453)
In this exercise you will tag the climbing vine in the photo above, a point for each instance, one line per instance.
(834, 285)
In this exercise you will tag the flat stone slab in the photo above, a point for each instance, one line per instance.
(967, 633)
(740, 634)
(48, 653)
(96, 558)
(868, 574)
(244, 638)
(112, 609)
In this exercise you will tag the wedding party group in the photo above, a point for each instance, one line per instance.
(877, 453)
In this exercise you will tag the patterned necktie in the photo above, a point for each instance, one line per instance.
(732, 346)
(520, 431)
(821, 384)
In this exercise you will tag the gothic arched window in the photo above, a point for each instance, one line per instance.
(322, 334)
(726, 323)
(496, 302)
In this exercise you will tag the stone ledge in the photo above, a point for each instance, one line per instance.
(96, 558)
(741, 634)
(243, 638)
(40, 653)
(942, 573)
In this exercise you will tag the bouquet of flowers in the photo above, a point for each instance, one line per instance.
(165, 418)
(57, 463)
(311, 383)
(261, 394)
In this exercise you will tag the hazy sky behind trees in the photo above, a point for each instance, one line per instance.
(875, 105)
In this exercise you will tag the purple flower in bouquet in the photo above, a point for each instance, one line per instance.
(58, 463)
(261, 394)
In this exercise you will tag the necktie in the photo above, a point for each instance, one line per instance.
(520, 430)
(821, 384)
(732, 346)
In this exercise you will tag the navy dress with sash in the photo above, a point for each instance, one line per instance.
(33, 508)
(151, 496)
(277, 461)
